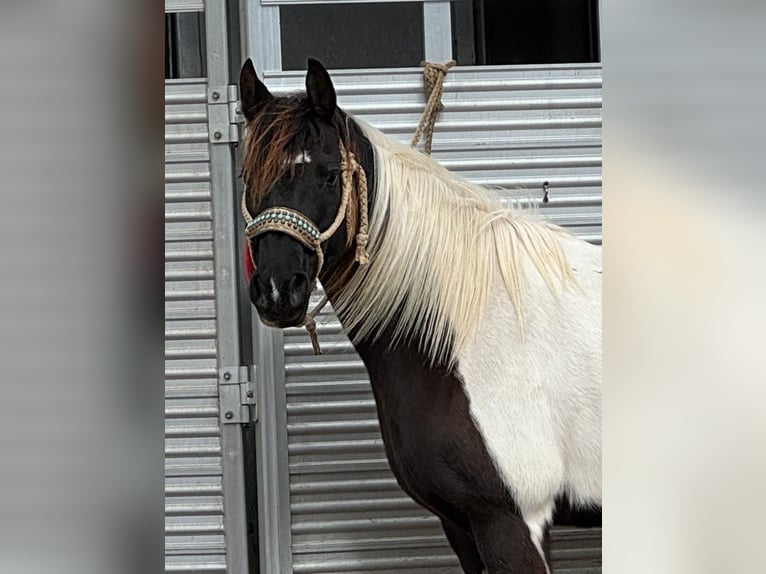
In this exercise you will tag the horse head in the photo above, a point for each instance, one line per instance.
(297, 151)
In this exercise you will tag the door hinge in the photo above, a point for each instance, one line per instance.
(236, 395)
(223, 114)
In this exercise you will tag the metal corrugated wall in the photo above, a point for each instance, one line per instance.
(515, 128)
(184, 5)
(193, 468)
(204, 494)
(205, 523)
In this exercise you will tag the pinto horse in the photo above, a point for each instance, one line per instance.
(479, 325)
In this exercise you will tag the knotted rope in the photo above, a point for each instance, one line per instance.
(311, 327)
(433, 75)
(350, 168)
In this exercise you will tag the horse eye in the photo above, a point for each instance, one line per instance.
(331, 179)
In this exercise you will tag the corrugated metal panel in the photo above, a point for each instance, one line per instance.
(184, 5)
(194, 533)
(513, 128)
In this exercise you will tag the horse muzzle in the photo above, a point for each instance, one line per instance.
(280, 301)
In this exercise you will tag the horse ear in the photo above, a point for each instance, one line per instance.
(320, 91)
(251, 90)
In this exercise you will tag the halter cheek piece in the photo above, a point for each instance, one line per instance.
(301, 228)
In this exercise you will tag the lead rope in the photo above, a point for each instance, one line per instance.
(349, 168)
(433, 75)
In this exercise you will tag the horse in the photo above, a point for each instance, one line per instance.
(479, 325)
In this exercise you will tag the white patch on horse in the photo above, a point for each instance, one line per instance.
(441, 269)
(536, 522)
(535, 397)
(274, 292)
(303, 158)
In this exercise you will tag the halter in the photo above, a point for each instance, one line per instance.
(303, 229)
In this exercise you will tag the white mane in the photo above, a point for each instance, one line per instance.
(436, 244)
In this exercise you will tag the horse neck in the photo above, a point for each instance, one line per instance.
(378, 348)
(370, 349)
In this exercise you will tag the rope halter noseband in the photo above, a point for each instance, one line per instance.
(299, 227)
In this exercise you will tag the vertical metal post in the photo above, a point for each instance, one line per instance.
(263, 36)
(274, 535)
(227, 315)
(437, 31)
(262, 43)
(598, 30)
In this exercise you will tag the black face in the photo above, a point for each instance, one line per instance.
(285, 269)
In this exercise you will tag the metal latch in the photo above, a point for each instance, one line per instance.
(236, 395)
(223, 113)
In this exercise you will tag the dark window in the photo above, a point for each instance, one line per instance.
(352, 35)
(185, 45)
(525, 31)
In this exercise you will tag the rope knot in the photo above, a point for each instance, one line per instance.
(362, 257)
(433, 74)
(430, 67)
(311, 327)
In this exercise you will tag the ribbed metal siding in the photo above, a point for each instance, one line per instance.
(194, 533)
(513, 128)
(184, 5)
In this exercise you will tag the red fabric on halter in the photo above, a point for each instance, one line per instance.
(247, 261)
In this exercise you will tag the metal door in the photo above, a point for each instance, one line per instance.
(204, 493)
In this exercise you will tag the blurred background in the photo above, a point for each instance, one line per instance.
(81, 427)
(685, 292)
(80, 287)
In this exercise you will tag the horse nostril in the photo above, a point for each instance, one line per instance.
(298, 289)
(259, 290)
